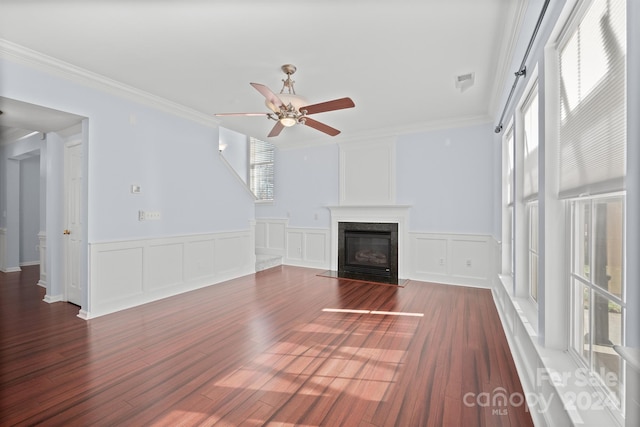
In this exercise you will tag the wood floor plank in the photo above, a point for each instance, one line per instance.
(257, 350)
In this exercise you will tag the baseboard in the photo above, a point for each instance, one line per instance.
(29, 263)
(11, 270)
(53, 298)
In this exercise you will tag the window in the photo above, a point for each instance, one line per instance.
(591, 178)
(532, 219)
(597, 286)
(507, 202)
(592, 130)
(530, 185)
(261, 170)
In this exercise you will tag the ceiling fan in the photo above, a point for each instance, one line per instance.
(289, 109)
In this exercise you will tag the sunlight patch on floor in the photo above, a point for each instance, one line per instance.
(384, 313)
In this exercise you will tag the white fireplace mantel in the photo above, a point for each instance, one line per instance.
(372, 213)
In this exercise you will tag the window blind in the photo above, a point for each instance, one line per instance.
(592, 132)
(530, 127)
(261, 170)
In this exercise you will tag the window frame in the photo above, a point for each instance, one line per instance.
(588, 284)
(263, 191)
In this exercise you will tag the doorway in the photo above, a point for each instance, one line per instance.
(29, 130)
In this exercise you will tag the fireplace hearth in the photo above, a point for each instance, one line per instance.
(369, 250)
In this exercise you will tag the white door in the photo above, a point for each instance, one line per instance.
(73, 224)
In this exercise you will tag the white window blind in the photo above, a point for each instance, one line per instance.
(592, 100)
(530, 127)
(261, 171)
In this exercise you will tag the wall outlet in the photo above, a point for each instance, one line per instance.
(152, 216)
(468, 263)
(141, 215)
(441, 262)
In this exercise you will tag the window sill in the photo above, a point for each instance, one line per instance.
(551, 377)
(527, 310)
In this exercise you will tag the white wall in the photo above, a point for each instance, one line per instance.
(29, 210)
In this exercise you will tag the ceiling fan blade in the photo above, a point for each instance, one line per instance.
(276, 129)
(336, 104)
(321, 127)
(240, 114)
(272, 98)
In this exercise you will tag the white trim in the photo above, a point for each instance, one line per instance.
(376, 213)
(368, 172)
(538, 367)
(53, 298)
(125, 274)
(29, 263)
(48, 64)
(42, 250)
(453, 259)
(3, 248)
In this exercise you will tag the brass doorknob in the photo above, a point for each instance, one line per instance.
(66, 232)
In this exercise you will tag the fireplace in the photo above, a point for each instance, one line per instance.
(368, 249)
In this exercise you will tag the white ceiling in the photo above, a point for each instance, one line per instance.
(397, 59)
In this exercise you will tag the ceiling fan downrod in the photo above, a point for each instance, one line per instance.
(288, 69)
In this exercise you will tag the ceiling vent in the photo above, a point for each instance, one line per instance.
(465, 81)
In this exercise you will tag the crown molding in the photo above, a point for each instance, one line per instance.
(33, 59)
(421, 127)
(391, 132)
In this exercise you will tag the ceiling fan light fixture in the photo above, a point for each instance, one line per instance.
(289, 109)
(288, 121)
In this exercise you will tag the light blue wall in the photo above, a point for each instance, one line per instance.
(174, 160)
(29, 209)
(12, 157)
(446, 176)
(306, 182)
(236, 152)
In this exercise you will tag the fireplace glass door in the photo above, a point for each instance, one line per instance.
(368, 252)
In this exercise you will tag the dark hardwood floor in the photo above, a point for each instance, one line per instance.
(259, 350)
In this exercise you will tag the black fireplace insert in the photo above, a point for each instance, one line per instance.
(368, 249)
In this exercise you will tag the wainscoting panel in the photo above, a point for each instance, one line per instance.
(471, 258)
(3, 248)
(317, 247)
(233, 253)
(261, 234)
(452, 259)
(120, 273)
(430, 255)
(275, 234)
(294, 245)
(164, 265)
(130, 273)
(197, 259)
(271, 236)
(42, 250)
(308, 247)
